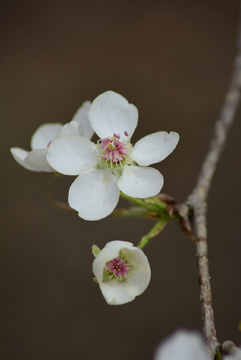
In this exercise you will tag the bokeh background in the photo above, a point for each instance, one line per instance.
(173, 60)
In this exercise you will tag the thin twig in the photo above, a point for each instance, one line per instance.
(60, 205)
(198, 200)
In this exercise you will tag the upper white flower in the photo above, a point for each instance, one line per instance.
(110, 166)
(182, 345)
(122, 271)
(35, 160)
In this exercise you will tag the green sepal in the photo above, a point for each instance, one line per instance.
(107, 276)
(95, 250)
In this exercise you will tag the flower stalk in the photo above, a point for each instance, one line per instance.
(151, 204)
(132, 212)
(157, 228)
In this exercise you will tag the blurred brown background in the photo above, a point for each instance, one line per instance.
(173, 60)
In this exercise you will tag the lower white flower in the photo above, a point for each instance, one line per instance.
(122, 272)
(187, 345)
(113, 164)
(35, 160)
(182, 345)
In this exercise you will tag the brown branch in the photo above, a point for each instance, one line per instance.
(198, 201)
(60, 205)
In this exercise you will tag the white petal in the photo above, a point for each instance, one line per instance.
(116, 293)
(140, 182)
(37, 159)
(139, 277)
(154, 148)
(138, 259)
(70, 154)
(183, 345)
(81, 117)
(109, 252)
(72, 128)
(20, 155)
(44, 135)
(138, 281)
(94, 194)
(235, 356)
(111, 113)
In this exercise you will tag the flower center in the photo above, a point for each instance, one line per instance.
(116, 268)
(113, 152)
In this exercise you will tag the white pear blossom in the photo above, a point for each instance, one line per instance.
(122, 272)
(187, 345)
(111, 165)
(182, 345)
(35, 160)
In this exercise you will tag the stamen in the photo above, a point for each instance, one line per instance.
(117, 267)
(114, 152)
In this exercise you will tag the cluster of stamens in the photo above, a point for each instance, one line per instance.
(117, 268)
(113, 151)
